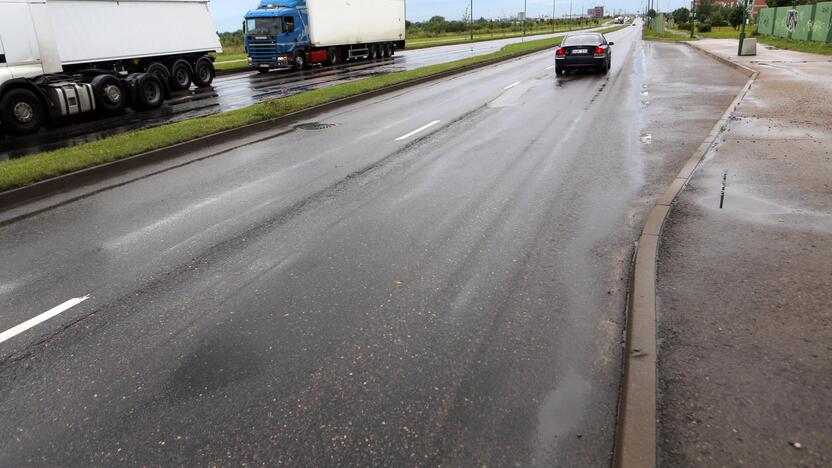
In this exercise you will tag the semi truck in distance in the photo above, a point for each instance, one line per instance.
(65, 57)
(297, 33)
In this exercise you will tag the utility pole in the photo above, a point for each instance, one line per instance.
(570, 15)
(471, 20)
(742, 27)
(692, 17)
(553, 15)
(525, 10)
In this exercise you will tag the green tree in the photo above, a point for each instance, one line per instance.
(735, 16)
(681, 15)
(651, 13)
(704, 11)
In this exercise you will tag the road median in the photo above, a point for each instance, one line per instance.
(36, 171)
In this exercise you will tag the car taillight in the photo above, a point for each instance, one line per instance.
(599, 51)
(560, 51)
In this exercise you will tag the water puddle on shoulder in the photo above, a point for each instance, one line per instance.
(765, 211)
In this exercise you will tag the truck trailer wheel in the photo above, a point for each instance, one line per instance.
(108, 92)
(21, 112)
(159, 70)
(203, 73)
(149, 91)
(180, 75)
(388, 50)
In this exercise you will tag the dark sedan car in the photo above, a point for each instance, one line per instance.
(583, 50)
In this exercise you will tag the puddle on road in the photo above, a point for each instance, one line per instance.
(560, 413)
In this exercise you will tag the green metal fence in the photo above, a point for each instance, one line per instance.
(804, 22)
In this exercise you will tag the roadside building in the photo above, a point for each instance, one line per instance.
(597, 12)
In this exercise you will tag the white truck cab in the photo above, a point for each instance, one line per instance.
(65, 57)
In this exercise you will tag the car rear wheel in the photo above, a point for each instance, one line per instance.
(559, 71)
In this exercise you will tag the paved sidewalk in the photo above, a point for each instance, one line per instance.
(745, 292)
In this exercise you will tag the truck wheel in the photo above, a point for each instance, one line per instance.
(159, 70)
(332, 56)
(148, 91)
(299, 61)
(108, 92)
(180, 75)
(388, 51)
(203, 73)
(21, 112)
(373, 52)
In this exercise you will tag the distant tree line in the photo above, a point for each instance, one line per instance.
(438, 25)
(709, 14)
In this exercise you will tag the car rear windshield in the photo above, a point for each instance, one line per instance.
(582, 39)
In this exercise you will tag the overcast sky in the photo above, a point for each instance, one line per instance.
(228, 14)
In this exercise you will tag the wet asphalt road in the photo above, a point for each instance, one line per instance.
(237, 90)
(356, 294)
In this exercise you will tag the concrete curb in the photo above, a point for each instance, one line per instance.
(636, 441)
(16, 197)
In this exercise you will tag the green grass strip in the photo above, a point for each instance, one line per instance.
(33, 168)
(799, 46)
(649, 34)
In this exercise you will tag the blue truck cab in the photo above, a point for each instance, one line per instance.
(297, 33)
(276, 35)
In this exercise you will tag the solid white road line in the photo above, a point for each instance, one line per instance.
(512, 85)
(418, 130)
(549, 67)
(14, 331)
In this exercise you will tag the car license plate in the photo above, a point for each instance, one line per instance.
(579, 51)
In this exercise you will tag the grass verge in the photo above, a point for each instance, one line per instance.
(799, 46)
(231, 60)
(420, 43)
(27, 170)
(649, 34)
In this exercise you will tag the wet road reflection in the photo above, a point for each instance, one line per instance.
(234, 91)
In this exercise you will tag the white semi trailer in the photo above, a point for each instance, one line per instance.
(65, 57)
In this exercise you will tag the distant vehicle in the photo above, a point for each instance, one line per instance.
(65, 57)
(583, 51)
(297, 33)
